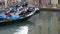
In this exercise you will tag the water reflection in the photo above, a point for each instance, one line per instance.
(43, 22)
(14, 28)
(22, 30)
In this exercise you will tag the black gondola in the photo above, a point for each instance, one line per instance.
(22, 15)
(17, 12)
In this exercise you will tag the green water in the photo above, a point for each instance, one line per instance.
(34, 23)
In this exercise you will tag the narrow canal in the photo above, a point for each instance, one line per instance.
(43, 22)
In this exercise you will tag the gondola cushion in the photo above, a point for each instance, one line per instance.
(15, 17)
(2, 16)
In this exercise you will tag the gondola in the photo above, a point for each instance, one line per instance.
(20, 13)
(17, 12)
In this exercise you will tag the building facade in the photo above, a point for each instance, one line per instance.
(44, 3)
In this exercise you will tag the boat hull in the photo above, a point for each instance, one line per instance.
(22, 18)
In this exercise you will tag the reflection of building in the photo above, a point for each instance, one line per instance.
(50, 23)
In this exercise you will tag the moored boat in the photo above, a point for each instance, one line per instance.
(16, 12)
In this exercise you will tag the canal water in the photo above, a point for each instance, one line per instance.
(42, 22)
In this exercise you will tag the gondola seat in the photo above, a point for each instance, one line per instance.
(2, 16)
(15, 17)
